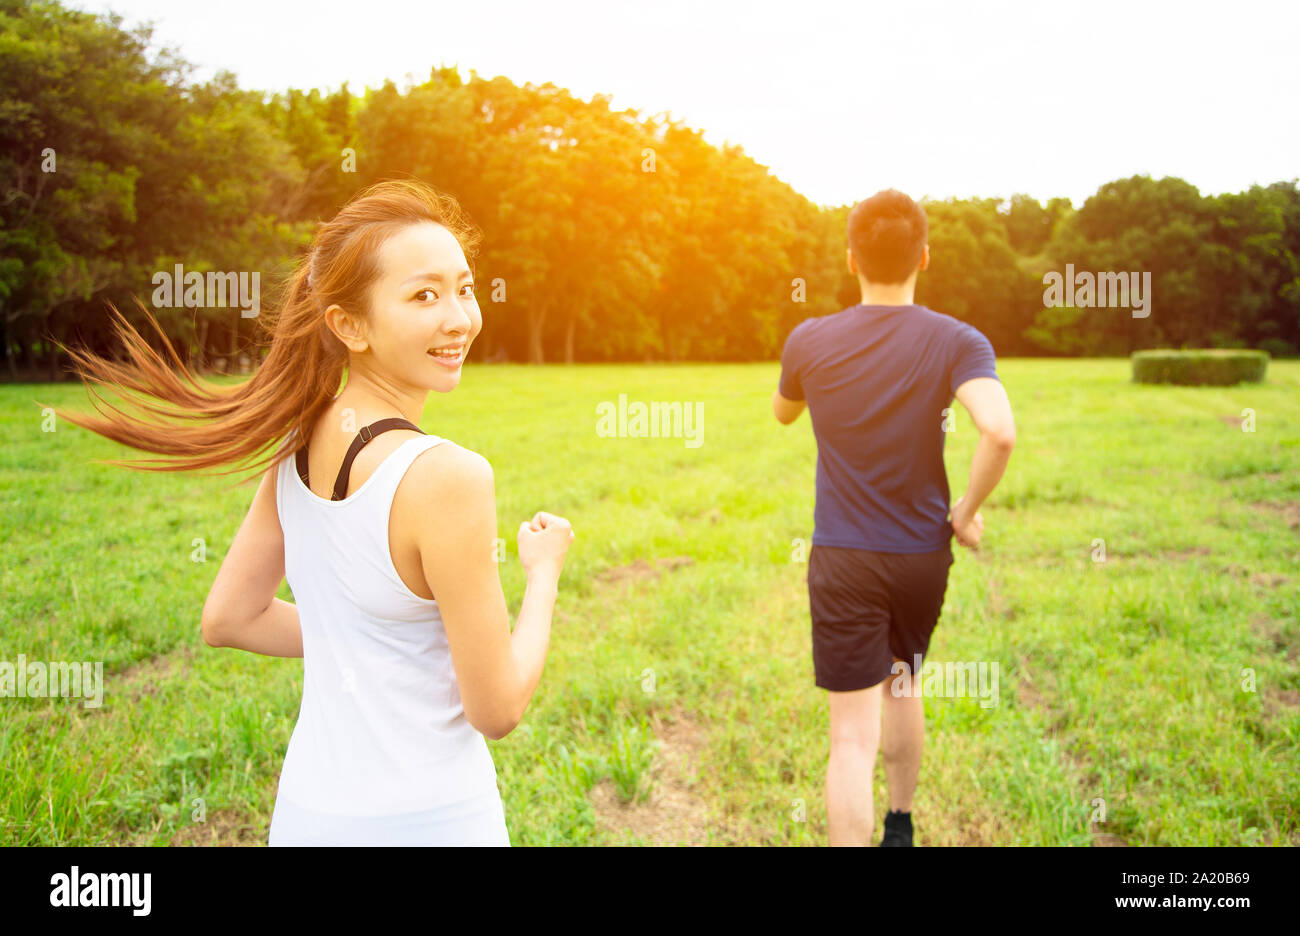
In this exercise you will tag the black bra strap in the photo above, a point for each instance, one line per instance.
(365, 435)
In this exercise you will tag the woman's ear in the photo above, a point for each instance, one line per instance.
(347, 328)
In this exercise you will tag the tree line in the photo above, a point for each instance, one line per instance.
(608, 235)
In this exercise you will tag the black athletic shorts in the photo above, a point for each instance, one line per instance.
(869, 608)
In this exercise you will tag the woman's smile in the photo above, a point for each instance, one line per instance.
(450, 356)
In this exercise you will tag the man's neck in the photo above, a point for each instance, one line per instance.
(888, 294)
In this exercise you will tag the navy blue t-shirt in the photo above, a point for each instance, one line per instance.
(877, 380)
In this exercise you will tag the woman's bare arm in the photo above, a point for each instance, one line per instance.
(275, 632)
(241, 610)
(497, 671)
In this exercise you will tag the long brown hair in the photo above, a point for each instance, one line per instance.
(210, 425)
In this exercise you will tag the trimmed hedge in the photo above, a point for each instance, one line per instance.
(1219, 367)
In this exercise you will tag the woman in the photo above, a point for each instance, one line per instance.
(386, 535)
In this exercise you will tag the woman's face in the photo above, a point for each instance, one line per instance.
(424, 315)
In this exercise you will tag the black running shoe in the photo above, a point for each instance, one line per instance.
(898, 830)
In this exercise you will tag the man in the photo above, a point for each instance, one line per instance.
(878, 380)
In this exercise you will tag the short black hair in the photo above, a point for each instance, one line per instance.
(887, 235)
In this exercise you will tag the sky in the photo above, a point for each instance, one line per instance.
(839, 99)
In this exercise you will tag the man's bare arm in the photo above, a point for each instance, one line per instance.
(786, 411)
(986, 400)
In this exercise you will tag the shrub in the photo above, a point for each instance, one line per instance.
(1199, 366)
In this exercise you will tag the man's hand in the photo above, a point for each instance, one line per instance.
(968, 529)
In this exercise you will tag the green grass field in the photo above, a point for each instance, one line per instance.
(1150, 698)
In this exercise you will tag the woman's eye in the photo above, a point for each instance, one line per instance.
(469, 287)
(426, 290)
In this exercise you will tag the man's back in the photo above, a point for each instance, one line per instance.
(877, 380)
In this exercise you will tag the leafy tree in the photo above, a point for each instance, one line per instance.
(607, 235)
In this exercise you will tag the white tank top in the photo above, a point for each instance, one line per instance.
(381, 729)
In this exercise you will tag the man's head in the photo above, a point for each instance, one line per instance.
(887, 238)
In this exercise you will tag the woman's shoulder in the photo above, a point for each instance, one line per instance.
(449, 470)
(447, 487)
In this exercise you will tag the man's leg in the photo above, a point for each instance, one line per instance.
(902, 738)
(915, 606)
(855, 738)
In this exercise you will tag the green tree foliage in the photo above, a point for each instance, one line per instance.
(115, 168)
(607, 235)
(1029, 225)
(974, 273)
(1223, 269)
